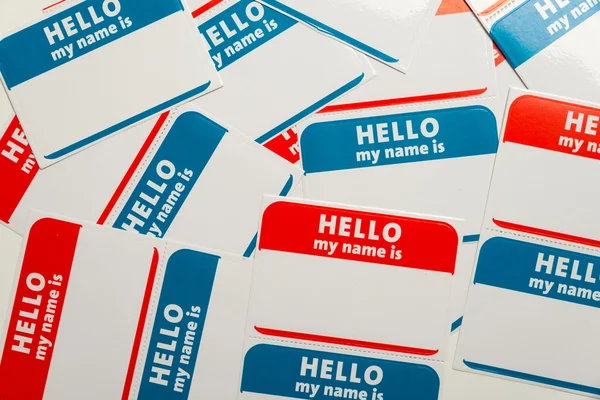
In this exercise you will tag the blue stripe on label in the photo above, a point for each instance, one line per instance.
(251, 247)
(398, 139)
(284, 192)
(365, 48)
(470, 238)
(536, 24)
(532, 378)
(171, 175)
(240, 29)
(456, 324)
(177, 331)
(539, 270)
(128, 122)
(288, 186)
(301, 374)
(74, 32)
(315, 107)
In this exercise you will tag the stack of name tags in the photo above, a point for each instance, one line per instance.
(299, 199)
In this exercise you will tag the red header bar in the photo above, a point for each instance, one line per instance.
(359, 236)
(554, 125)
(17, 168)
(37, 309)
(286, 146)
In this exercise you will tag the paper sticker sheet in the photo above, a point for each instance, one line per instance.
(63, 82)
(170, 327)
(276, 70)
(547, 42)
(315, 301)
(386, 146)
(181, 176)
(387, 30)
(532, 311)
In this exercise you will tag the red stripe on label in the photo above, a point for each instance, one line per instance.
(554, 125)
(401, 101)
(345, 342)
(37, 308)
(141, 322)
(134, 165)
(362, 236)
(18, 167)
(205, 8)
(493, 7)
(286, 146)
(52, 5)
(546, 233)
(453, 7)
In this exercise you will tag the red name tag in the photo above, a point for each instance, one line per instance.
(286, 146)
(17, 168)
(554, 125)
(359, 236)
(38, 304)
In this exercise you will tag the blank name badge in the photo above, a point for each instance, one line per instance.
(93, 68)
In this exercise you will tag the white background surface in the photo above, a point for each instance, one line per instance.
(458, 385)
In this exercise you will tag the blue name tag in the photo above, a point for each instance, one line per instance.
(74, 32)
(540, 270)
(308, 374)
(398, 139)
(536, 24)
(171, 175)
(240, 29)
(177, 331)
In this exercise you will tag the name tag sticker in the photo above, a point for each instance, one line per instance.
(18, 165)
(547, 42)
(387, 31)
(537, 265)
(362, 266)
(181, 176)
(454, 38)
(272, 62)
(171, 328)
(415, 142)
(62, 80)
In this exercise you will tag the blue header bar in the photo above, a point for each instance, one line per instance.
(398, 139)
(540, 270)
(298, 373)
(241, 29)
(74, 32)
(536, 24)
(171, 175)
(178, 326)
